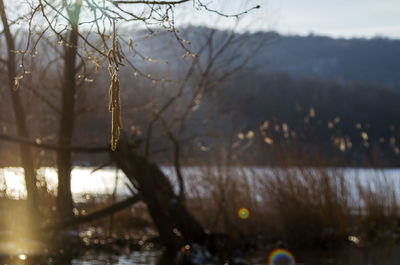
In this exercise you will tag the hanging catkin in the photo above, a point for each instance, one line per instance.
(114, 60)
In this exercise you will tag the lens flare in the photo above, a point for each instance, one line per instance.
(243, 213)
(281, 256)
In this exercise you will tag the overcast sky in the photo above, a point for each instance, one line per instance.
(338, 18)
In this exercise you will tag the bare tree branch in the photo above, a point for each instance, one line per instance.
(152, 2)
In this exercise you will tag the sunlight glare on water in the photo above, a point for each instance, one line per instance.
(83, 181)
(134, 258)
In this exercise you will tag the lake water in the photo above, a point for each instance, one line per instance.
(349, 255)
(87, 180)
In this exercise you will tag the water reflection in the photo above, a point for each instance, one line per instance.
(18, 260)
(350, 255)
(134, 258)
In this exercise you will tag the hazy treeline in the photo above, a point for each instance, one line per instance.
(338, 122)
(373, 60)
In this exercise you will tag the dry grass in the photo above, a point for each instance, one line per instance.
(304, 206)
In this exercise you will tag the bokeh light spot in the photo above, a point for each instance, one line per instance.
(281, 256)
(244, 213)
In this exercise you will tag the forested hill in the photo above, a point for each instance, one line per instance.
(351, 85)
(373, 60)
(376, 60)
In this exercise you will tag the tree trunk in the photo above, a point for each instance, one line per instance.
(171, 217)
(20, 118)
(66, 129)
